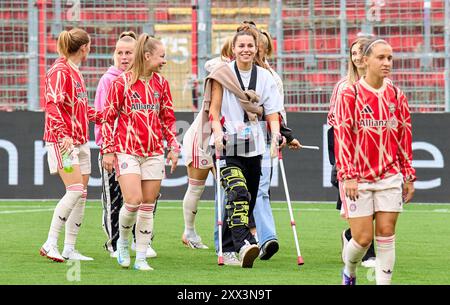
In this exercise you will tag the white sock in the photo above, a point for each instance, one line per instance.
(190, 204)
(144, 228)
(354, 253)
(63, 210)
(74, 221)
(127, 219)
(384, 264)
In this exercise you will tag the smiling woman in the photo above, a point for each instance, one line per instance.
(135, 147)
(112, 199)
(239, 139)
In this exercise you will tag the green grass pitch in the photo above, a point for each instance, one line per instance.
(422, 248)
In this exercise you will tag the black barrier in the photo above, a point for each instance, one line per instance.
(24, 169)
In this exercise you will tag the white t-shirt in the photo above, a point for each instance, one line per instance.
(279, 83)
(232, 112)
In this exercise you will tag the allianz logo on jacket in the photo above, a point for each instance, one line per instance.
(140, 106)
(371, 122)
(390, 123)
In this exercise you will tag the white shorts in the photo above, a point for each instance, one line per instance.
(192, 153)
(80, 155)
(381, 196)
(149, 168)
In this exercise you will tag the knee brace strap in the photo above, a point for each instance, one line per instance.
(237, 213)
(234, 184)
(231, 174)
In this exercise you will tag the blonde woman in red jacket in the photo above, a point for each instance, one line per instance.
(374, 159)
(66, 135)
(141, 101)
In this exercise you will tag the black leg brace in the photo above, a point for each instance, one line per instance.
(238, 197)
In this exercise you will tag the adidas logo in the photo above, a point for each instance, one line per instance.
(367, 109)
(194, 212)
(78, 224)
(135, 96)
(387, 271)
(62, 218)
(146, 232)
(126, 227)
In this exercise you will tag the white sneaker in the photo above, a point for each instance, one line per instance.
(370, 263)
(150, 251)
(344, 243)
(51, 252)
(123, 255)
(194, 243)
(247, 254)
(230, 259)
(75, 255)
(113, 254)
(142, 265)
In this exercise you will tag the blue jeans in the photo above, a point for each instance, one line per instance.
(262, 213)
(265, 224)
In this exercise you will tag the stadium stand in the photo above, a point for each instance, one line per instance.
(310, 53)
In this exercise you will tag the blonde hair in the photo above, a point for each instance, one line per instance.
(268, 42)
(352, 73)
(127, 36)
(227, 49)
(69, 42)
(145, 44)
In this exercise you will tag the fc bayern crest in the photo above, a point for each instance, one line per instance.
(393, 123)
(124, 165)
(353, 207)
(204, 162)
(392, 107)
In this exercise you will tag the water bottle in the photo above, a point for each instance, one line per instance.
(67, 162)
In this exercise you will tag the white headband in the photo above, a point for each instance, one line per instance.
(372, 44)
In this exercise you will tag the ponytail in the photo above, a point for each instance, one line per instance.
(69, 42)
(145, 44)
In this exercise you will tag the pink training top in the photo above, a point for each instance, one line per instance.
(100, 98)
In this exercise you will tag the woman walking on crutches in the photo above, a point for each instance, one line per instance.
(234, 121)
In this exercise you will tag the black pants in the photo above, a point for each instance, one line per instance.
(233, 238)
(112, 202)
(332, 159)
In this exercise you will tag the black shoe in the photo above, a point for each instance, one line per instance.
(370, 253)
(269, 249)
